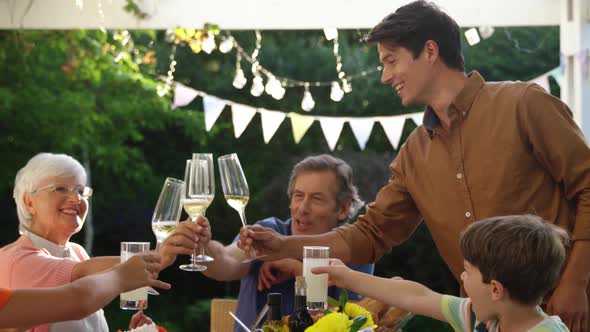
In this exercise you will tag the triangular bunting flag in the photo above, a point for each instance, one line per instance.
(393, 127)
(271, 121)
(332, 127)
(417, 118)
(183, 95)
(213, 107)
(241, 117)
(542, 81)
(361, 128)
(300, 124)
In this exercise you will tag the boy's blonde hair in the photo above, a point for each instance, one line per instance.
(523, 252)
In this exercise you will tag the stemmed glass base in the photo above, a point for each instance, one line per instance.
(193, 267)
(202, 258)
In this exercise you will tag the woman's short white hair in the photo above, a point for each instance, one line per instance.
(40, 167)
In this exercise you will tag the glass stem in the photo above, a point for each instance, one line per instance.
(158, 246)
(242, 213)
(202, 248)
(194, 254)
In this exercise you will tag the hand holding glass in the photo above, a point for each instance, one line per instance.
(135, 299)
(317, 284)
(235, 187)
(198, 195)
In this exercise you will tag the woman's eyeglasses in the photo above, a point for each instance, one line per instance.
(66, 190)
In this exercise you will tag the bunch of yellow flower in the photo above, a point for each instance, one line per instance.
(347, 317)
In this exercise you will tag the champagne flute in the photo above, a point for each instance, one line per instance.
(167, 212)
(198, 194)
(235, 187)
(205, 188)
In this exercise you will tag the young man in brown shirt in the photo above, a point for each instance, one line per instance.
(485, 149)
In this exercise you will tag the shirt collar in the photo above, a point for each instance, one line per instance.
(54, 250)
(462, 102)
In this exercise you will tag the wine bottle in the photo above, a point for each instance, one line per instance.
(274, 322)
(300, 319)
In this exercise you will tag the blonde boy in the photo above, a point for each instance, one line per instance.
(510, 263)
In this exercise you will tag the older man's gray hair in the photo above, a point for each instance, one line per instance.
(325, 162)
(39, 168)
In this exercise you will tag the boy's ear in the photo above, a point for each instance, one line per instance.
(497, 290)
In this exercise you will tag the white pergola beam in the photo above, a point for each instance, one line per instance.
(262, 14)
(574, 43)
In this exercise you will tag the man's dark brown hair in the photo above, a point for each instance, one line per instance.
(412, 25)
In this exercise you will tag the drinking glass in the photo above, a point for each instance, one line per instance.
(235, 187)
(317, 284)
(168, 209)
(135, 299)
(198, 195)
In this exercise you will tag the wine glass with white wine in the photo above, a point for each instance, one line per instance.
(198, 195)
(235, 187)
(168, 209)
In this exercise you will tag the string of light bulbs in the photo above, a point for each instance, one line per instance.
(164, 90)
(276, 85)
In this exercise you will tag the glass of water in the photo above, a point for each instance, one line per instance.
(317, 284)
(135, 299)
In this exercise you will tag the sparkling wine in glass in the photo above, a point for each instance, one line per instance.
(235, 187)
(168, 209)
(198, 195)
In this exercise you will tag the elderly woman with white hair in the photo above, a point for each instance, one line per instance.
(52, 202)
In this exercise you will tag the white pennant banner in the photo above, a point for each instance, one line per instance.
(241, 117)
(271, 120)
(183, 95)
(213, 107)
(361, 128)
(393, 128)
(331, 127)
(542, 81)
(300, 124)
(417, 118)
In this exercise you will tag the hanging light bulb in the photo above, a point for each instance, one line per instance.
(226, 45)
(279, 92)
(209, 43)
(486, 31)
(257, 86)
(336, 93)
(239, 80)
(307, 104)
(272, 85)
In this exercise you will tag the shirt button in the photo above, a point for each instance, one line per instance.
(459, 175)
(468, 214)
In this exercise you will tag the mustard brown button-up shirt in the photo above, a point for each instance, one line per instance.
(512, 148)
